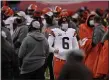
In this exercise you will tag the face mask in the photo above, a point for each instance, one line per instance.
(91, 22)
(65, 26)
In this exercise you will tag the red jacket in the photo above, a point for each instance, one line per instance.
(103, 61)
(86, 34)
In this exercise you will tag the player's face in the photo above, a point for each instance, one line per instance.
(64, 26)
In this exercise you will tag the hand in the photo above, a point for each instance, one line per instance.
(56, 51)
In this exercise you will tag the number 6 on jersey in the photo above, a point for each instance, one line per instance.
(65, 44)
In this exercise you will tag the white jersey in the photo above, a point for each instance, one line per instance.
(64, 41)
(9, 23)
(28, 19)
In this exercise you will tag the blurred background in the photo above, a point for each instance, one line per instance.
(67, 4)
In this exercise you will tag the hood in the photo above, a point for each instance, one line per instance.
(36, 35)
(88, 18)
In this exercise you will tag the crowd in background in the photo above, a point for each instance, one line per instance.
(25, 43)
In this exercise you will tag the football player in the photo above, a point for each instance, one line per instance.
(29, 13)
(61, 40)
(8, 18)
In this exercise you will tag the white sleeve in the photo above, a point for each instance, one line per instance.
(75, 43)
(51, 39)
